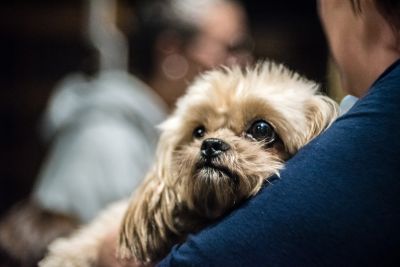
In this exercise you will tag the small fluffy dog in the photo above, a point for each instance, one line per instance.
(232, 131)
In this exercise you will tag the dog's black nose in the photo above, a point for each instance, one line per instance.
(212, 147)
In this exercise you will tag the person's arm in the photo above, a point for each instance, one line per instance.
(271, 229)
(336, 201)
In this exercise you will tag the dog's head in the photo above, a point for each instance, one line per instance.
(232, 130)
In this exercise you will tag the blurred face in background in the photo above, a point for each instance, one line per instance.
(222, 38)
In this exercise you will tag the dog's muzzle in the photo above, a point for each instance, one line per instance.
(212, 147)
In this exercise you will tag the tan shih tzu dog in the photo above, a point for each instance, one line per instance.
(232, 131)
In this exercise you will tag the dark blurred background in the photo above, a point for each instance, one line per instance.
(41, 42)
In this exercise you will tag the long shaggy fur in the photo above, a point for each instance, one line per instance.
(181, 194)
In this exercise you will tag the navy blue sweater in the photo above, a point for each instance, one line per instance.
(337, 202)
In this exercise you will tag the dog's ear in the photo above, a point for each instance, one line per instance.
(321, 111)
(147, 232)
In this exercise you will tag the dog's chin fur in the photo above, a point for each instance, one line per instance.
(210, 188)
(183, 192)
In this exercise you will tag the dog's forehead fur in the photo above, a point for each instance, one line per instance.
(232, 98)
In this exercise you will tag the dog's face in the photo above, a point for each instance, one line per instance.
(233, 130)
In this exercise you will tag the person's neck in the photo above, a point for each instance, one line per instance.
(371, 63)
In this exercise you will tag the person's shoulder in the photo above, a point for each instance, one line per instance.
(388, 84)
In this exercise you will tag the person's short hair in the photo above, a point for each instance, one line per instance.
(390, 10)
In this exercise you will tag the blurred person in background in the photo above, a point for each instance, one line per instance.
(104, 127)
(102, 122)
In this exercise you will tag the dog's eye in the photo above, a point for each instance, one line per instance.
(199, 132)
(262, 131)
